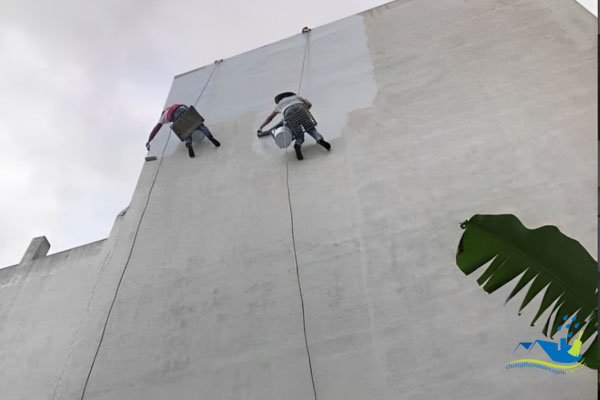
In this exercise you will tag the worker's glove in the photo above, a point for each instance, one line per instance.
(148, 146)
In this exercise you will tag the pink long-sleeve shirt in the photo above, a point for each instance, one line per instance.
(165, 118)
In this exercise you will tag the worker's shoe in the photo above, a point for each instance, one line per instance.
(323, 143)
(298, 150)
(215, 142)
(190, 150)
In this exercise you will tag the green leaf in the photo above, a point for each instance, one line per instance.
(591, 328)
(569, 306)
(539, 283)
(525, 279)
(590, 357)
(545, 257)
(552, 293)
(556, 306)
(509, 270)
(498, 261)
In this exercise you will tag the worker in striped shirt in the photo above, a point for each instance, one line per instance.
(286, 101)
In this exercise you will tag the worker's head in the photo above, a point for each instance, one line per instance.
(282, 96)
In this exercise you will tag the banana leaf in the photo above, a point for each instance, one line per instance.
(544, 257)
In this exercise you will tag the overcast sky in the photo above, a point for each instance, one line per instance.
(82, 83)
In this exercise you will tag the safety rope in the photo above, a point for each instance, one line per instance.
(306, 32)
(217, 62)
(87, 380)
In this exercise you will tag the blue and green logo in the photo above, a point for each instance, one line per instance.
(564, 358)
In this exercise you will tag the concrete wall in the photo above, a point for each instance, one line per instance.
(436, 111)
(42, 306)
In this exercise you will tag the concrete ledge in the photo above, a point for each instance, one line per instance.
(38, 247)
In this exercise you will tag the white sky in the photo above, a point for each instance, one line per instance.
(82, 83)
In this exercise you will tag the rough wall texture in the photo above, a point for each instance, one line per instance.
(42, 303)
(436, 111)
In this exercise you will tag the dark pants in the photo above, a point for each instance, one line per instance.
(312, 132)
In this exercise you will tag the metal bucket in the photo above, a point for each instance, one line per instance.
(283, 137)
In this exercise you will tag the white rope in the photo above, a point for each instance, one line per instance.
(87, 380)
(287, 179)
(209, 78)
(306, 44)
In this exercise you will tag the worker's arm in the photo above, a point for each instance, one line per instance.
(269, 119)
(152, 134)
(306, 102)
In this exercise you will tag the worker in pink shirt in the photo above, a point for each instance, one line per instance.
(171, 114)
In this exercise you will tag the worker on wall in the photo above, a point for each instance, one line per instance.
(171, 114)
(296, 115)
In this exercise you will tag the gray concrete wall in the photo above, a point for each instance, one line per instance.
(42, 306)
(436, 111)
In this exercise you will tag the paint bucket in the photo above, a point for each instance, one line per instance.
(283, 136)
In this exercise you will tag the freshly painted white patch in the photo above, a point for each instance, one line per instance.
(246, 84)
(338, 76)
(337, 79)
